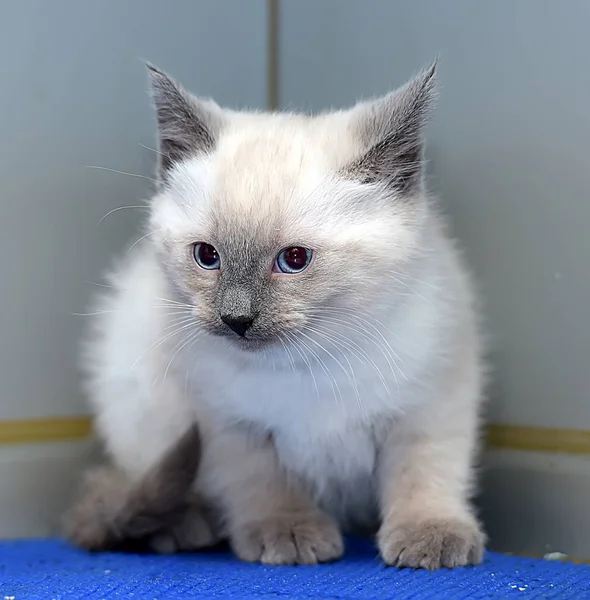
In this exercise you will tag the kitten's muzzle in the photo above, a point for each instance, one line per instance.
(238, 323)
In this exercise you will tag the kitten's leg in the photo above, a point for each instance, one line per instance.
(426, 477)
(142, 421)
(268, 518)
(159, 511)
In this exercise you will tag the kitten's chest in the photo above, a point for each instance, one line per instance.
(339, 470)
(302, 410)
(316, 399)
(333, 462)
(336, 455)
(320, 428)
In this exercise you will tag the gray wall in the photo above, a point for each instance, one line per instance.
(509, 157)
(73, 93)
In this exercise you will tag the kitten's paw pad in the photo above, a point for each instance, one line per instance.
(432, 544)
(302, 538)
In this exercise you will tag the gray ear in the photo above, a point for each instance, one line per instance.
(389, 130)
(187, 126)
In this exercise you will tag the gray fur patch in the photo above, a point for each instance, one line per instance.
(187, 126)
(112, 511)
(391, 128)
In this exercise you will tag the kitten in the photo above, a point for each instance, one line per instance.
(298, 294)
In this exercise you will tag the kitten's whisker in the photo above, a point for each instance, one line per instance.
(395, 355)
(194, 341)
(161, 341)
(122, 172)
(166, 302)
(191, 336)
(419, 281)
(104, 285)
(176, 302)
(185, 310)
(367, 335)
(295, 343)
(120, 208)
(175, 311)
(186, 383)
(94, 314)
(154, 150)
(349, 376)
(178, 321)
(353, 347)
(355, 327)
(354, 315)
(342, 349)
(141, 239)
(401, 282)
(384, 327)
(334, 384)
(166, 312)
(304, 347)
(288, 353)
(170, 307)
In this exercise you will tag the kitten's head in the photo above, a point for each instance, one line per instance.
(268, 222)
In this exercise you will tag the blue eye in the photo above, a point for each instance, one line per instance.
(206, 256)
(292, 260)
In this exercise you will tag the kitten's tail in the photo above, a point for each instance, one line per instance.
(112, 509)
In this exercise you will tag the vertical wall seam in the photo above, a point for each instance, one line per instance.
(272, 55)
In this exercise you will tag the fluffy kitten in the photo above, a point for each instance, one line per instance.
(298, 294)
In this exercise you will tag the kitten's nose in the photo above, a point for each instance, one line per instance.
(239, 324)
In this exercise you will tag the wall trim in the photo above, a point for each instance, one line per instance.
(51, 429)
(508, 437)
(539, 439)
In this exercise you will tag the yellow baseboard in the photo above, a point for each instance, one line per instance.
(33, 431)
(510, 437)
(538, 439)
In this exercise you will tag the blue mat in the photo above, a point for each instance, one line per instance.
(50, 569)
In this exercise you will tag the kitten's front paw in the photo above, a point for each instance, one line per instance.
(304, 538)
(432, 544)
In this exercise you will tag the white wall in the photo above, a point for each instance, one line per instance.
(73, 93)
(509, 150)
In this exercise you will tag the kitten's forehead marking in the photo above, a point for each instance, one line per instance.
(276, 180)
(271, 176)
(266, 168)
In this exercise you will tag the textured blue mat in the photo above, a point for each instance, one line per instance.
(45, 570)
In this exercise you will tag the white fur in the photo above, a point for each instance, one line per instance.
(413, 368)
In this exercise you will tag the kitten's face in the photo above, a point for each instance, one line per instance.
(273, 225)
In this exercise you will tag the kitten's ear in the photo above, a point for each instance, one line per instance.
(187, 125)
(389, 130)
